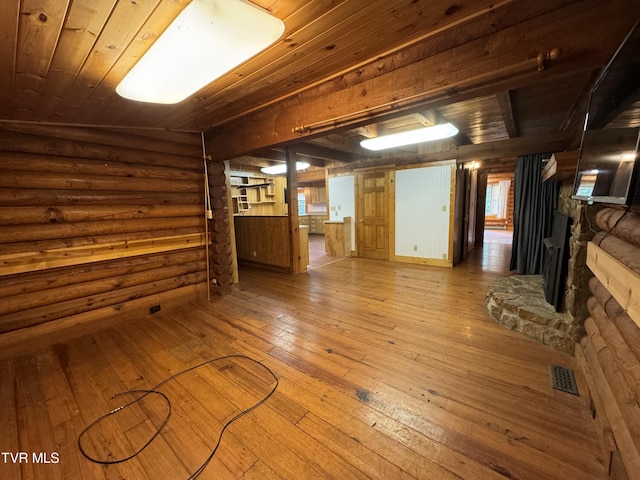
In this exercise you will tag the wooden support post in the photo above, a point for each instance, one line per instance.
(294, 222)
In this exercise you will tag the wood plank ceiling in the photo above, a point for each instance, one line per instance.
(511, 75)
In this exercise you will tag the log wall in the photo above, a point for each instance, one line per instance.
(222, 250)
(97, 223)
(609, 353)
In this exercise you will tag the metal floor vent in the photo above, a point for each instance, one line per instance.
(563, 379)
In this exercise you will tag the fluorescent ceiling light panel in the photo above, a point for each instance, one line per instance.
(208, 39)
(427, 134)
(282, 168)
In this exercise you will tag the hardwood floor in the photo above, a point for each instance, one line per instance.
(386, 371)
(317, 252)
(493, 235)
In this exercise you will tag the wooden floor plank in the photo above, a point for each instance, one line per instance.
(260, 471)
(359, 423)
(386, 371)
(194, 428)
(34, 425)
(66, 421)
(9, 421)
(92, 384)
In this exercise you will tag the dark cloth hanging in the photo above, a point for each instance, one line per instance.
(535, 202)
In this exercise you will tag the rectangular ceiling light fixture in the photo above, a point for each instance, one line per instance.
(426, 134)
(282, 168)
(208, 39)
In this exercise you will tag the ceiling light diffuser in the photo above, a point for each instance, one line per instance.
(426, 134)
(282, 168)
(208, 39)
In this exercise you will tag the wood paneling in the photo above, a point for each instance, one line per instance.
(337, 235)
(480, 119)
(476, 68)
(344, 63)
(263, 240)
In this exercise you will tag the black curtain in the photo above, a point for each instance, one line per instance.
(534, 204)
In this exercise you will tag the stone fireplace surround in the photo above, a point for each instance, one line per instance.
(518, 301)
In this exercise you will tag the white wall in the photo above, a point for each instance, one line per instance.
(423, 204)
(342, 202)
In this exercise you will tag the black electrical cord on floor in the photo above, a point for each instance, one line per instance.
(154, 391)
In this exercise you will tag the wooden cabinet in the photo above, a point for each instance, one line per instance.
(319, 195)
(316, 223)
(315, 195)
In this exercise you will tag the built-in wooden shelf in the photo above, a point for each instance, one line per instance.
(247, 190)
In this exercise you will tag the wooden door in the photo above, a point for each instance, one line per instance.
(465, 213)
(373, 215)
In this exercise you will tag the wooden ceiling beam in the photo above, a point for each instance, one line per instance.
(320, 152)
(367, 131)
(343, 143)
(508, 116)
(313, 161)
(274, 156)
(270, 154)
(311, 176)
(427, 118)
(489, 153)
(507, 59)
(249, 164)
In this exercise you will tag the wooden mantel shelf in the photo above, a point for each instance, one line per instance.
(561, 166)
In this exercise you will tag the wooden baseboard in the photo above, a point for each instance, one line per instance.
(434, 262)
(264, 266)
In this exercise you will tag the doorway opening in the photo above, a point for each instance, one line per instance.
(498, 209)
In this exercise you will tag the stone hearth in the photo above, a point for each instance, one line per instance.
(518, 303)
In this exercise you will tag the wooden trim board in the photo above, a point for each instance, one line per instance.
(33, 261)
(622, 282)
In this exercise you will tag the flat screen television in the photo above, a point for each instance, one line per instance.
(608, 168)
